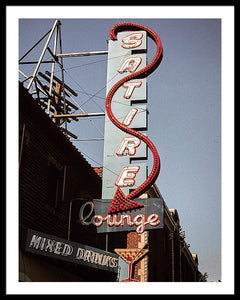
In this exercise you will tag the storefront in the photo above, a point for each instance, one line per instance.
(45, 257)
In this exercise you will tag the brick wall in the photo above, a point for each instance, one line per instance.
(41, 143)
(140, 269)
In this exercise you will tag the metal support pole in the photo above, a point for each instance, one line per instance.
(33, 46)
(43, 52)
(52, 71)
(106, 240)
(63, 88)
(101, 114)
(82, 54)
(87, 140)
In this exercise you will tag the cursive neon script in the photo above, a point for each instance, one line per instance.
(139, 220)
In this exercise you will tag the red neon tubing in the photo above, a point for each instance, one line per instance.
(139, 74)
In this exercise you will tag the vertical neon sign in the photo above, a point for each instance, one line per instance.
(124, 180)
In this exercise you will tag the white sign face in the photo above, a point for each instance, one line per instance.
(124, 178)
(120, 148)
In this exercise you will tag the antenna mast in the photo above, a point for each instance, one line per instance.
(52, 96)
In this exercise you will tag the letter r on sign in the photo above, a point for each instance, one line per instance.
(129, 143)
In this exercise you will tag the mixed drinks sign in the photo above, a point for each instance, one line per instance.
(58, 248)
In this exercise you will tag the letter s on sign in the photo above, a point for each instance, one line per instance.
(132, 40)
(113, 262)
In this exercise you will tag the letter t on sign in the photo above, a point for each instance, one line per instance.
(130, 87)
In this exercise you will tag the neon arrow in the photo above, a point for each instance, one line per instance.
(121, 202)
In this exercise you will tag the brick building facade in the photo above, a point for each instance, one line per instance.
(52, 172)
(169, 257)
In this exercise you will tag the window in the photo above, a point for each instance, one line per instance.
(24, 137)
(56, 175)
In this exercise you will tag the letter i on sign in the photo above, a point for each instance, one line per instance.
(130, 116)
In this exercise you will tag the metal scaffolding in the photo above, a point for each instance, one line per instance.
(52, 96)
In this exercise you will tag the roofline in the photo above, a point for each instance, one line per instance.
(48, 121)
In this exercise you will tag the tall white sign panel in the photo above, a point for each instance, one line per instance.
(122, 166)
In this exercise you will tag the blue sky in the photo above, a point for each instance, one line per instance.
(184, 103)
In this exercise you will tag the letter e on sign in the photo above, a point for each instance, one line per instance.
(127, 175)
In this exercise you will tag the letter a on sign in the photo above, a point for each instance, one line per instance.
(130, 64)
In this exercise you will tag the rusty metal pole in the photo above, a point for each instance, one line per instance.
(57, 100)
(63, 88)
(89, 53)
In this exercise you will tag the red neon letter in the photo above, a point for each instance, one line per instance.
(130, 87)
(130, 64)
(127, 175)
(132, 40)
(129, 143)
(130, 116)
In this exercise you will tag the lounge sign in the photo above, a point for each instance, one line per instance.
(149, 216)
(58, 248)
(95, 214)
